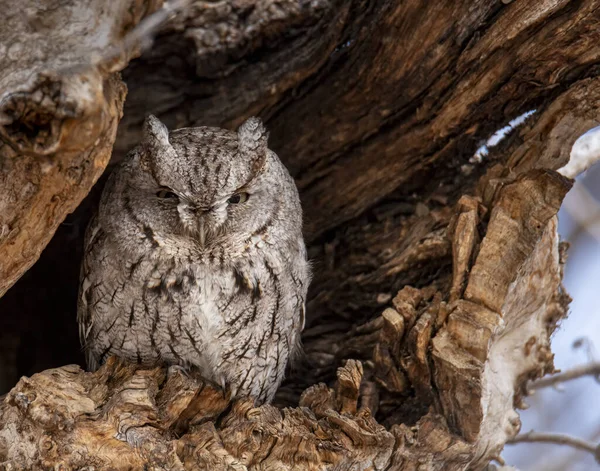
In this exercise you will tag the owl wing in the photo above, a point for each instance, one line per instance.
(301, 279)
(85, 319)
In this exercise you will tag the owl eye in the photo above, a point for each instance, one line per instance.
(238, 198)
(165, 193)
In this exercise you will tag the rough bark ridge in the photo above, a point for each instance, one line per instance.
(58, 116)
(438, 274)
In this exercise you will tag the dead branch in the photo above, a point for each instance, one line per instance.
(558, 439)
(591, 369)
(58, 122)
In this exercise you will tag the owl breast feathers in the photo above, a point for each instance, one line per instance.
(196, 258)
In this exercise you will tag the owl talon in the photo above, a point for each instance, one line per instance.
(183, 369)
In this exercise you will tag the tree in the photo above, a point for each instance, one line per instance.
(437, 270)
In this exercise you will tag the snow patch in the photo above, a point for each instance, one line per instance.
(498, 136)
(584, 153)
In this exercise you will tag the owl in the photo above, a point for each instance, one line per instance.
(196, 258)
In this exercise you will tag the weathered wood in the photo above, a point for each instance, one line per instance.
(382, 92)
(58, 115)
(473, 354)
(437, 276)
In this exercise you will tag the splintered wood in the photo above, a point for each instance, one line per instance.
(427, 317)
(58, 115)
(445, 374)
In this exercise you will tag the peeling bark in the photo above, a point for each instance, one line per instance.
(58, 116)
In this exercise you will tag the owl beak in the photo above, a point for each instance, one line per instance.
(201, 231)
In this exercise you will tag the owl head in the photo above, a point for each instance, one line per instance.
(205, 185)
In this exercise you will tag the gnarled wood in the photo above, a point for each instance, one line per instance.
(473, 354)
(437, 275)
(59, 113)
(383, 91)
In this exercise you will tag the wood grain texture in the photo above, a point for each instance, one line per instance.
(58, 116)
(382, 92)
(429, 266)
(429, 360)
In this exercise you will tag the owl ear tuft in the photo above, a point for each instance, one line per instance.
(156, 133)
(155, 146)
(253, 137)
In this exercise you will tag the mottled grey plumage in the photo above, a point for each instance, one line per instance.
(196, 258)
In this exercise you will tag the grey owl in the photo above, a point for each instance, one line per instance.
(196, 258)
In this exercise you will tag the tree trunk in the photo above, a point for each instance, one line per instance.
(437, 271)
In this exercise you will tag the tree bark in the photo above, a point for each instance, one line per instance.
(58, 113)
(437, 275)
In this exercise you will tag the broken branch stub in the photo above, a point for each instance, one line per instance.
(497, 336)
(446, 373)
(59, 113)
